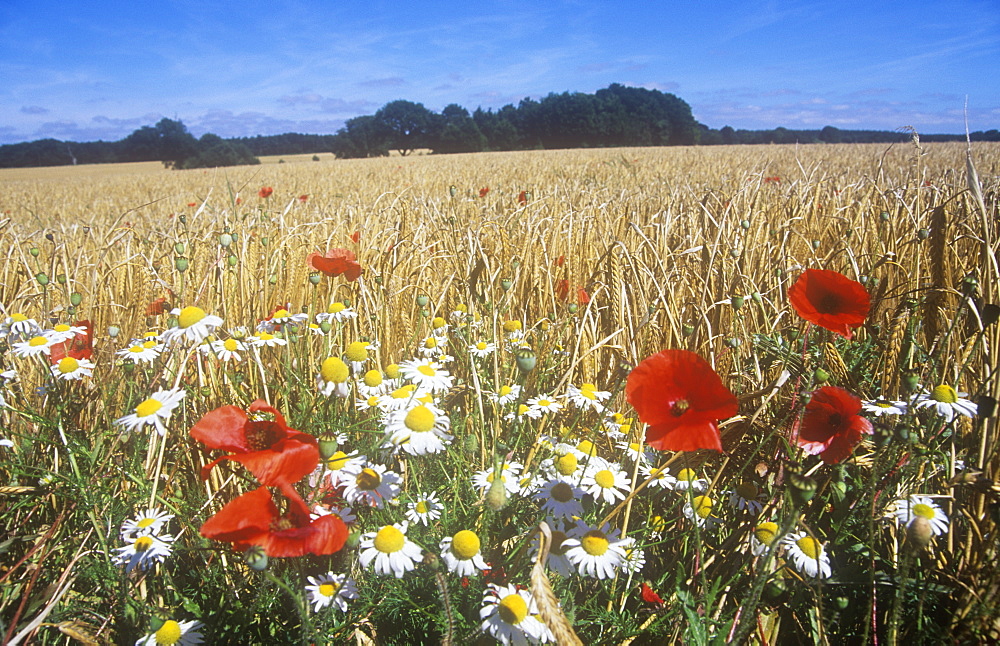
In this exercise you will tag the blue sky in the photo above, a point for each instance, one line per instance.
(98, 70)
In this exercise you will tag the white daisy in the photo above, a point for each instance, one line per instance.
(587, 397)
(598, 552)
(482, 349)
(606, 481)
(424, 509)
(333, 376)
(143, 551)
(699, 510)
(357, 355)
(280, 318)
(419, 430)
(330, 588)
(433, 346)
(372, 384)
(946, 402)
(141, 352)
(266, 339)
(808, 555)
(154, 411)
(372, 484)
(149, 522)
(908, 509)
(227, 350)
(336, 312)
(688, 479)
(507, 394)
(33, 347)
(461, 553)
(340, 467)
(426, 374)
(746, 496)
(544, 404)
(560, 499)
(509, 615)
(635, 557)
(635, 451)
(391, 551)
(62, 332)
(763, 536)
(880, 407)
(72, 369)
(174, 633)
(660, 476)
(509, 473)
(18, 326)
(193, 326)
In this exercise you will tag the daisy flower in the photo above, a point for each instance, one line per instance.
(688, 479)
(746, 496)
(560, 499)
(699, 510)
(764, 535)
(482, 349)
(63, 332)
(149, 522)
(336, 312)
(193, 325)
(461, 553)
(807, 554)
(406, 396)
(635, 451)
(557, 561)
(426, 374)
(330, 588)
(635, 557)
(280, 318)
(606, 481)
(72, 369)
(880, 407)
(340, 466)
(507, 394)
(33, 347)
(143, 551)
(566, 467)
(154, 411)
(509, 615)
(425, 508)
(598, 552)
(419, 430)
(433, 345)
(265, 339)
(227, 350)
(357, 354)
(509, 473)
(909, 509)
(946, 402)
(175, 633)
(372, 384)
(373, 484)
(391, 551)
(587, 397)
(544, 404)
(659, 476)
(141, 352)
(19, 326)
(332, 378)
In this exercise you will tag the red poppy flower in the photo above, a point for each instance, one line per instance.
(157, 307)
(337, 262)
(560, 260)
(522, 197)
(483, 191)
(582, 297)
(303, 198)
(192, 204)
(265, 192)
(681, 398)
(562, 289)
(650, 596)
(254, 519)
(274, 453)
(356, 237)
(80, 346)
(830, 300)
(831, 426)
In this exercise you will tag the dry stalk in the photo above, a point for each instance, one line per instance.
(541, 591)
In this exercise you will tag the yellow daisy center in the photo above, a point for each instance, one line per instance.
(657, 523)
(702, 505)
(465, 544)
(389, 540)
(522, 409)
(438, 322)
(403, 393)
(422, 507)
(190, 315)
(482, 346)
(766, 532)
(594, 543)
(137, 349)
(430, 342)
(923, 510)
(357, 351)
(373, 378)
(944, 394)
(505, 390)
(561, 492)
(368, 479)
(746, 490)
(688, 475)
(68, 365)
(373, 401)
(152, 343)
(265, 336)
(148, 408)
(37, 341)
(426, 370)
(337, 461)
(605, 479)
(18, 318)
(810, 547)
(145, 522)
(392, 371)
(280, 314)
(587, 448)
(544, 402)
(169, 633)
(143, 543)
(511, 326)
(335, 308)
(62, 327)
(420, 420)
(512, 609)
(231, 345)
(328, 589)
(567, 464)
(334, 370)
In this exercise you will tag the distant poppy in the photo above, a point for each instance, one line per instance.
(303, 198)
(356, 237)
(582, 297)
(681, 398)
(562, 289)
(157, 307)
(80, 346)
(831, 426)
(254, 519)
(239, 200)
(483, 191)
(337, 262)
(192, 204)
(273, 452)
(522, 197)
(560, 261)
(265, 192)
(650, 596)
(830, 300)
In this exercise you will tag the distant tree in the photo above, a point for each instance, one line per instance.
(406, 125)
(360, 137)
(215, 152)
(168, 141)
(830, 135)
(728, 135)
(458, 132)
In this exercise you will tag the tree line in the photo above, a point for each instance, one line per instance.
(614, 116)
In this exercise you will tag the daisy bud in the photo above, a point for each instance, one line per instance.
(256, 558)
(496, 497)
(181, 263)
(75, 298)
(919, 533)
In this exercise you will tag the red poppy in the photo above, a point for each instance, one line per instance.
(560, 260)
(650, 596)
(157, 307)
(337, 262)
(239, 200)
(303, 198)
(681, 398)
(274, 453)
(582, 297)
(80, 346)
(265, 192)
(522, 197)
(192, 204)
(483, 191)
(831, 426)
(562, 289)
(356, 237)
(254, 519)
(830, 300)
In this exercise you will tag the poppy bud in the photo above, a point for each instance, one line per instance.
(42, 278)
(75, 298)
(256, 558)
(232, 260)
(734, 342)
(61, 279)
(273, 280)
(687, 329)
(263, 241)
(113, 332)
(470, 444)
(990, 314)
(50, 237)
(802, 489)
(182, 218)
(821, 376)
(353, 539)
(841, 603)
(34, 252)
(757, 298)
(736, 302)
(985, 406)
(452, 190)
(71, 310)
(923, 234)
(816, 244)
(180, 248)
(327, 446)
(181, 263)
(225, 239)
(506, 284)
(314, 278)
(526, 359)
(884, 216)
(496, 497)
(326, 327)
(919, 533)
(745, 224)
(426, 313)
(775, 591)
(422, 300)
(910, 381)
